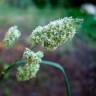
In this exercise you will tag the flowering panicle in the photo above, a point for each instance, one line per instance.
(49, 36)
(30, 69)
(55, 33)
(11, 36)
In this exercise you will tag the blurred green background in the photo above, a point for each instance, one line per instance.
(31, 13)
(78, 57)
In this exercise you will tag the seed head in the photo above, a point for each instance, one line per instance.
(55, 33)
(11, 36)
(30, 69)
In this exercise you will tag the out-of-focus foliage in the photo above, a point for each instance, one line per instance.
(39, 3)
(19, 3)
(53, 3)
(43, 3)
(89, 27)
(88, 32)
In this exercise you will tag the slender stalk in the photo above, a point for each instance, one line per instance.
(5, 71)
(58, 66)
(50, 63)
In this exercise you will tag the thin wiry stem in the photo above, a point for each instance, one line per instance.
(5, 71)
(50, 63)
(58, 66)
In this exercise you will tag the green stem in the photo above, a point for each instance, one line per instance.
(52, 64)
(58, 66)
(5, 71)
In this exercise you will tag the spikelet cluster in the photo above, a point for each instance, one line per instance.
(30, 69)
(11, 36)
(55, 33)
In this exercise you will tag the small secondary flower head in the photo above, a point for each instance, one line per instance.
(55, 33)
(27, 72)
(30, 57)
(11, 36)
(30, 69)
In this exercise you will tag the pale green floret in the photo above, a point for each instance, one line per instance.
(55, 33)
(27, 71)
(37, 36)
(30, 69)
(31, 57)
(11, 36)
